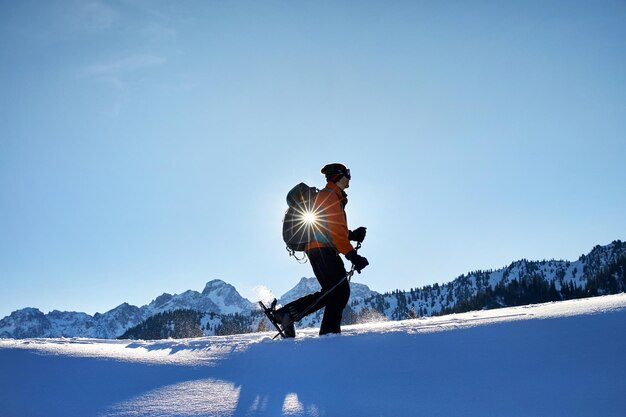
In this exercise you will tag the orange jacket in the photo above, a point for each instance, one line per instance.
(331, 228)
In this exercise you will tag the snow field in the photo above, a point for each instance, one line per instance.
(555, 359)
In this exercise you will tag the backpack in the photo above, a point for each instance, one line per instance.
(297, 232)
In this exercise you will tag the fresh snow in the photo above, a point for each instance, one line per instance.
(555, 359)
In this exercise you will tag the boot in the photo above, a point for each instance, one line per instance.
(287, 324)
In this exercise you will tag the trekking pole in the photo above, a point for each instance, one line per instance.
(348, 276)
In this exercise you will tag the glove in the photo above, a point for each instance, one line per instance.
(357, 235)
(357, 260)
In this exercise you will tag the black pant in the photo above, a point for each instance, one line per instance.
(329, 270)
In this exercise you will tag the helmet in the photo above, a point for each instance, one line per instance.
(335, 171)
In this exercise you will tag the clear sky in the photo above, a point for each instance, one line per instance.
(147, 146)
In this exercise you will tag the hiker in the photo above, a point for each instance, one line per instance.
(323, 253)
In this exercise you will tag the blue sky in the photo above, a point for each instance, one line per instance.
(147, 147)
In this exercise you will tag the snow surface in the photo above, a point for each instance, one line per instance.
(556, 359)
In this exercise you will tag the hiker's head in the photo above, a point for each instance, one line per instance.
(336, 173)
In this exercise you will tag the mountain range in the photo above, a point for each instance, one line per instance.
(222, 310)
(217, 297)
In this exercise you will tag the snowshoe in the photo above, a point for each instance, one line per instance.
(280, 319)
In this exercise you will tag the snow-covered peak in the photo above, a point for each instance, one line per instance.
(226, 297)
(615, 248)
(302, 288)
(217, 285)
(27, 322)
(600, 256)
(360, 291)
(27, 313)
(217, 297)
(161, 300)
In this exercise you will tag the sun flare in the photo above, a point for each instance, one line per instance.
(309, 217)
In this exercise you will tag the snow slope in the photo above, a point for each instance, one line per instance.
(555, 359)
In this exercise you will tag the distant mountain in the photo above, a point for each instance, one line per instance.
(220, 309)
(116, 321)
(602, 271)
(303, 287)
(218, 297)
(310, 285)
(25, 323)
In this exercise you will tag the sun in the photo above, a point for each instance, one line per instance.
(309, 217)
